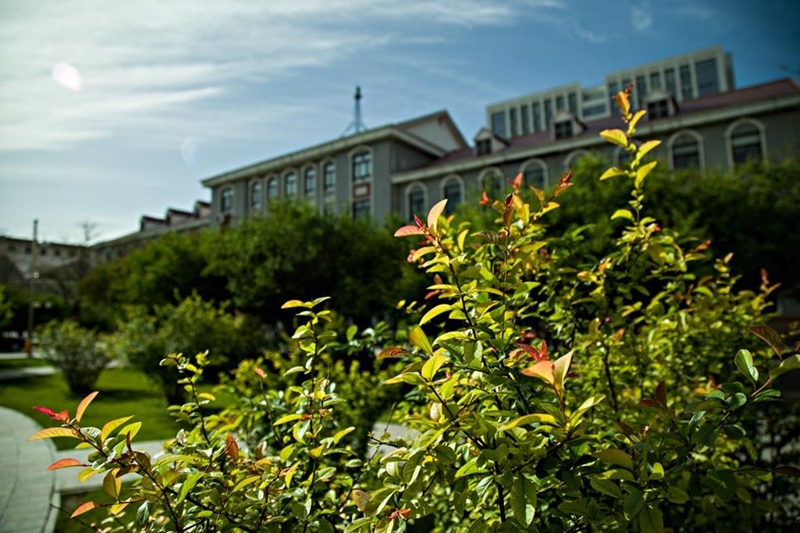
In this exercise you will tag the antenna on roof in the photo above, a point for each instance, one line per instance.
(357, 126)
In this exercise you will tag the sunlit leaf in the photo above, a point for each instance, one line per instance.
(293, 303)
(418, 338)
(432, 366)
(65, 463)
(394, 351)
(83, 508)
(433, 313)
(435, 212)
(744, 363)
(112, 425)
(611, 172)
(49, 433)
(787, 365)
(615, 457)
(84, 404)
(112, 484)
(615, 136)
(771, 337)
(411, 229)
(542, 370)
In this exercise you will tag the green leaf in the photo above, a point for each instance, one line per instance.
(771, 337)
(418, 338)
(540, 418)
(615, 457)
(645, 148)
(650, 520)
(469, 468)
(295, 303)
(723, 483)
(433, 313)
(246, 481)
(744, 363)
(49, 433)
(787, 365)
(633, 503)
(523, 500)
(615, 136)
(611, 172)
(287, 418)
(560, 369)
(622, 213)
(642, 172)
(677, 495)
(131, 429)
(341, 433)
(112, 425)
(188, 484)
(112, 485)
(432, 365)
(586, 405)
(606, 486)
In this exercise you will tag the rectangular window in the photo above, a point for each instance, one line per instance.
(526, 126)
(483, 146)
(655, 81)
(658, 109)
(309, 182)
(290, 185)
(563, 129)
(362, 167)
(613, 89)
(573, 103)
(559, 103)
(452, 192)
(746, 145)
(686, 154)
(594, 110)
(272, 188)
(640, 92)
(686, 83)
(416, 203)
(669, 76)
(512, 119)
(361, 210)
(329, 175)
(226, 200)
(548, 113)
(537, 117)
(707, 77)
(255, 196)
(499, 123)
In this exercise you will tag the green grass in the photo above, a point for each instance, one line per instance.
(123, 392)
(22, 362)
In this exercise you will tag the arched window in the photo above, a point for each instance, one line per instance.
(686, 150)
(534, 172)
(309, 182)
(272, 189)
(491, 181)
(255, 196)
(453, 192)
(226, 200)
(745, 141)
(329, 177)
(416, 200)
(290, 185)
(572, 158)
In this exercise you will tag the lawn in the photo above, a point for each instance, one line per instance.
(123, 392)
(22, 362)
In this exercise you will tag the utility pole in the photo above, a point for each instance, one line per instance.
(31, 288)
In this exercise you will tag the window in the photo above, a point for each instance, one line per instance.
(537, 117)
(499, 123)
(416, 202)
(255, 196)
(613, 89)
(685, 152)
(309, 181)
(745, 142)
(559, 103)
(548, 113)
(563, 129)
(533, 173)
(226, 200)
(362, 167)
(707, 77)
(329, 177)
(655, 81)
(361, 210)
(573, 103)
(452, 192)
(483, 146)
(512, 118)
(594, 110)
(491, 181)
(573, 157)
(686, 83)
(658, 109)
(641, 91)
(290, 185)
(669, 76)
(526, 125)
(272, 188)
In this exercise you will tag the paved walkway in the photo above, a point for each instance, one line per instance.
(28, 490)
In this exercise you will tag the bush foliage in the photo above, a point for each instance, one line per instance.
(548, 391)
(77, 352)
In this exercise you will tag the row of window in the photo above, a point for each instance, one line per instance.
(746, 142)
(361, 173)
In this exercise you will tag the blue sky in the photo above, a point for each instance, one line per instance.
(173, 92)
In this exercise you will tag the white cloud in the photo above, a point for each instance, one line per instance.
(641, 17)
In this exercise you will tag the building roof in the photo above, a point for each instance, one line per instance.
(773, 91)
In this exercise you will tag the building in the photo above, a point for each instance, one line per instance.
(693, 107)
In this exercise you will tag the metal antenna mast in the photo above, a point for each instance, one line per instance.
(357, 126)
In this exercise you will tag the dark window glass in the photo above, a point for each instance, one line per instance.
(272, 188)
(640, 91)
(564, 129)
(746, 144)
(416, 203)
(310, 181)
(594, 110)
(290, 185)
(255, 196)
(655, 81)
(526, 126)
(573, 103)
(669, 76)
(548, 113)
(559, 103)
(537, 117)
(226, 200)
(512, 119)
(534, 175)
(686, 83)
(362, 167)
(452, 191)
(484, 146)
(361, 210)
(707, 78)
(658, 109)
(613, 89)
(329, 175)
(499, 123)
(685, 153)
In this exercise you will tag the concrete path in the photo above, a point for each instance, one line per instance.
(28, 494)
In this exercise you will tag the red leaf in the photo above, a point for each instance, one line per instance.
(46, 410)
(485, 199)
(516, 183)
(84, 507)
(391, 352)
(231, 448)
(65, 463)
(405, 231)
(63, 416)
(260, 373)
(650, 403)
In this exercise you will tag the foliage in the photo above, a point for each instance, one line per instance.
(77, 352)
(6, 309)
(192, 326)
(559, 392)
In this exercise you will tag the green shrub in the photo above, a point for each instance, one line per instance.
(80, 354)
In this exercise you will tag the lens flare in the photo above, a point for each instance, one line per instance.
(189, 149)
(67, 75)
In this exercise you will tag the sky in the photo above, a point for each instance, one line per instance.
(113, 110)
